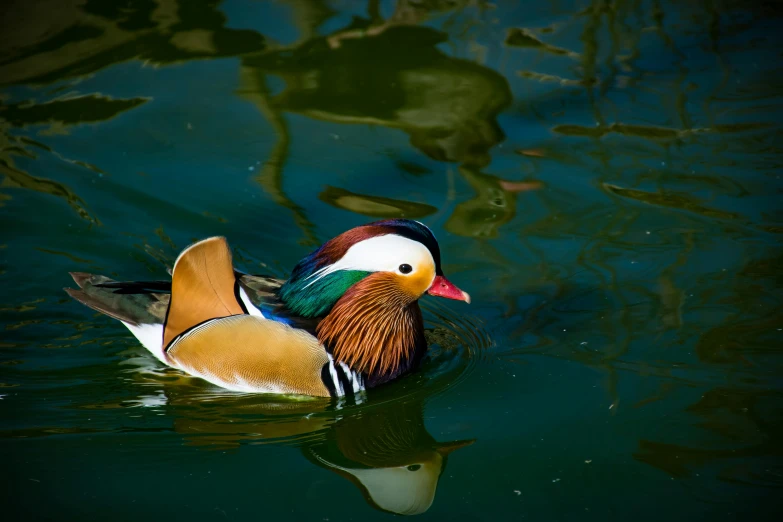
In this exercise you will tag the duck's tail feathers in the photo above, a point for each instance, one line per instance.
(141, 310)
(119, 300)
(137, 287)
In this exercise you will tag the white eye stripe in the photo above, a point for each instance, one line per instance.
(380, 254)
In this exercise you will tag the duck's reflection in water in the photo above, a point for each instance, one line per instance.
(385, 450)
(389, 455)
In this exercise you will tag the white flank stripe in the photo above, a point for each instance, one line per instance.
(351, 375)
(337, 384)
(338, 387)
(251, 308)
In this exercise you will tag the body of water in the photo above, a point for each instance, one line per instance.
(604, 178)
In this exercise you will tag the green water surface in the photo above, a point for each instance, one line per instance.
(604, 178)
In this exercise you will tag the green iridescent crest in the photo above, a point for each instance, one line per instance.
(313, 299)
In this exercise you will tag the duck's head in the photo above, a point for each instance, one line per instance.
(401, 252)
(365, 284)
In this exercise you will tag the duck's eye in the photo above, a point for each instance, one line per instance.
(405, 268)
(414, 467)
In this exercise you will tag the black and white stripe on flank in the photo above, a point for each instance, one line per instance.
(340, 380)
(192, 331)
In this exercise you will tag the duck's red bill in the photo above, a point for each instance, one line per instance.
(442, 287)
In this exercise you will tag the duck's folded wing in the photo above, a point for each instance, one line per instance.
(213, 332)
(252, 354)
(260, 289)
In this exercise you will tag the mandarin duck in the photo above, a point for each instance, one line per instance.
(346, 320)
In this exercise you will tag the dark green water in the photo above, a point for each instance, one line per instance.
(604, 179)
